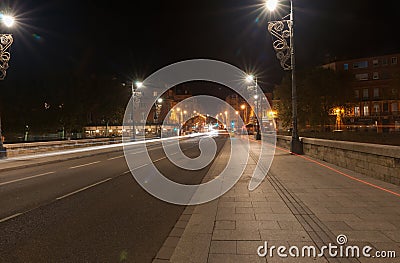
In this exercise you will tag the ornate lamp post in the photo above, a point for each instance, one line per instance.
(6, 41)
(282, 32)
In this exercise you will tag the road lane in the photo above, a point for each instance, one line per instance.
(113, 219)
(28, 192)
(26, 178)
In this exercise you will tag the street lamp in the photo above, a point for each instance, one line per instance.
(271, 4)
(244, 108)
(237, 121)
(6, 41)
(250, 79)
(283, 36)
(226, 120)
(158, 106)
(135, 98)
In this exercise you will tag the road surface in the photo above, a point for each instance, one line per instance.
(88, 209)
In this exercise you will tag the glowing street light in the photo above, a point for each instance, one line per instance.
(8, 20)
(271, 4)
(138, 84)
(249, 78)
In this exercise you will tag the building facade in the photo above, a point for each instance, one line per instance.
(375, 82)
(246, 111)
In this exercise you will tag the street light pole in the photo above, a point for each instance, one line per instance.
(2, 149)
(249, 79)
(6, 41)
(258, 117)
(135, 85)
(295, 145)
(281, 31)
(158, 105)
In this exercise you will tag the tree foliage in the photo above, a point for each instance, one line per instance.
(62, 101)
(318, 90)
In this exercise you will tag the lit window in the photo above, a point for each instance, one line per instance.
(362, 64)
(357, 111)
(394, 60)
(376, 92)
(376, 107)
(365, 93)
(357, 94)
(366, 110)
(346, 66)
(363, 76)
(376, 75)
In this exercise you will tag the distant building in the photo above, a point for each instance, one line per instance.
(376, 92)
(165, 115)
(170, 98)
(246, 111)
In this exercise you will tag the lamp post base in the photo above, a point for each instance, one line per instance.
(3, 152)
(296, 146)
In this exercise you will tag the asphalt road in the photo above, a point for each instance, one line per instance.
(88, 209)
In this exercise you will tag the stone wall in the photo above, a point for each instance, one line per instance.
(18, 149)
(374, 160)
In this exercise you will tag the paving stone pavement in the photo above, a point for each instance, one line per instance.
(301, 202)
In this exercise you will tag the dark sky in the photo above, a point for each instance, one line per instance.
(132, 39)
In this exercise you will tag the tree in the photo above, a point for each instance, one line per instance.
(319, 90)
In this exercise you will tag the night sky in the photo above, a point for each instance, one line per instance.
(132, 39)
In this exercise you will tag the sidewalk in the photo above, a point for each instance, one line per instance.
(302, 202)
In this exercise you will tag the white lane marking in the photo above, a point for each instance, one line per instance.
(82, 165)
(144, 165)
(26, 178)
(83, 189)
(8, 218)
(133, 153)
(162, 158)
(109, 159)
